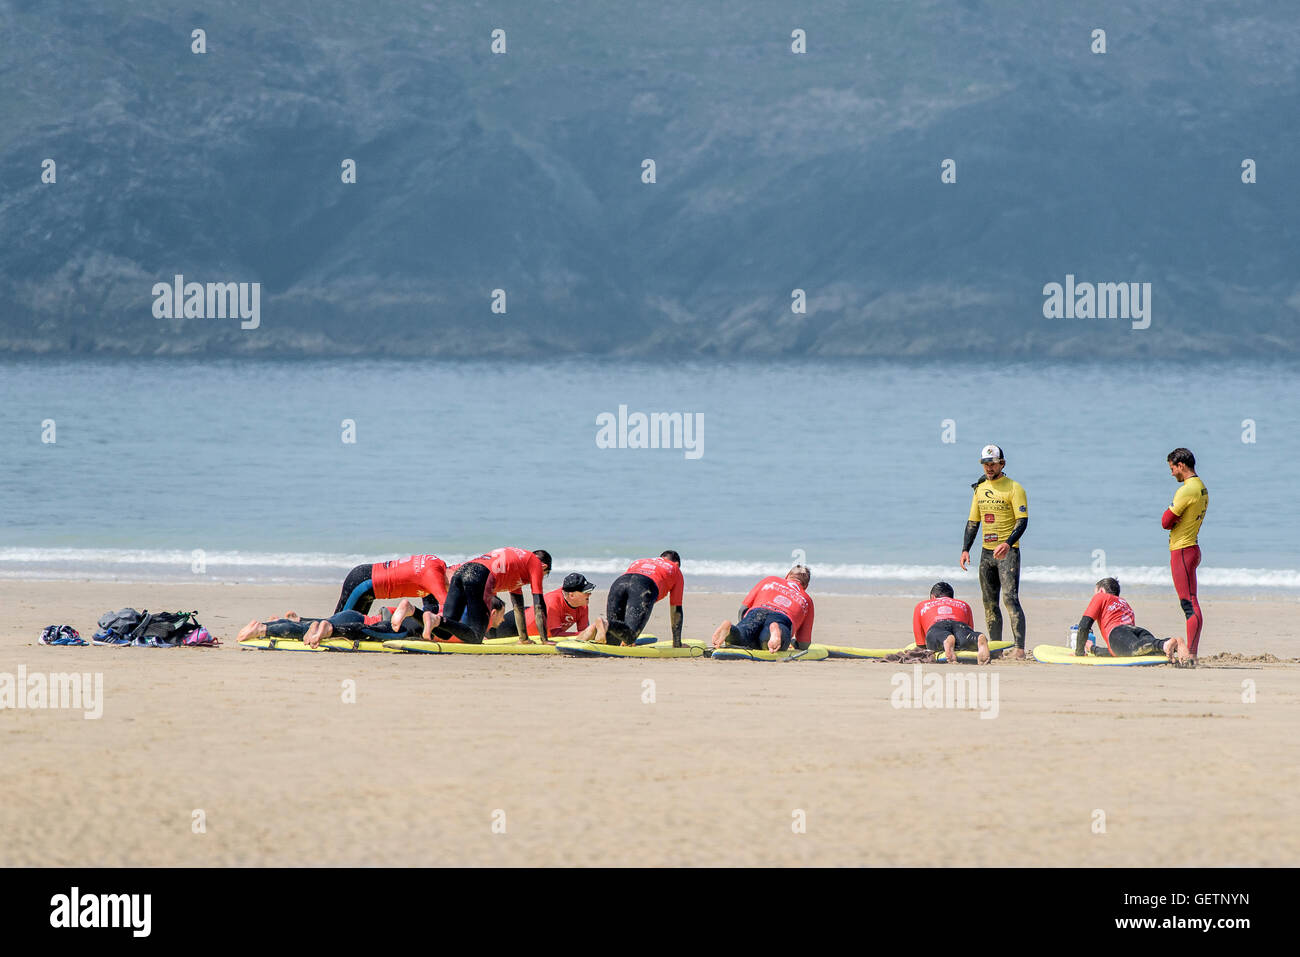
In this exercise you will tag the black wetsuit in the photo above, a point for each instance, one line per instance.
(753, 628)
(346, 624)
(628, 608)
(465, 600)
(966, 636)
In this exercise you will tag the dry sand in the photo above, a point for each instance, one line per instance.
(713, 772)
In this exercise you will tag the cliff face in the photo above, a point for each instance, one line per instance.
(775, 171)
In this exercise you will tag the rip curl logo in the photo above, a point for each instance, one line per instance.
(1105, 300)
(179, 299)
(75, 909)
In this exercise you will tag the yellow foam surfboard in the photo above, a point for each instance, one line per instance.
(514, 647)
(814, 653)
(513, 640)
(1061, 655)
(849, 651)
(691, 648)
(995, 651)
(329, 644)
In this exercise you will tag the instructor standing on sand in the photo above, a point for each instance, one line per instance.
(1001, 507)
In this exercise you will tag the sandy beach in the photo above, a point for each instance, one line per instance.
(579, 769)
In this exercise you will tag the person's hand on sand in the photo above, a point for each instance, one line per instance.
(965, 560)
(1001, 551)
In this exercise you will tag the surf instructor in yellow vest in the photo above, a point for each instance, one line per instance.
(999, 507)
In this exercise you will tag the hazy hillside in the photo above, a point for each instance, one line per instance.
(775, 171)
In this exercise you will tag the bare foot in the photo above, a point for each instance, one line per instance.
(720, 634)
(317, 633)
(983, 656)
(1016, 653)
(292, 616)
(431, 621)
(602, 631)
(774, 638)
(403, 611)
(254, 629)
(950, 650)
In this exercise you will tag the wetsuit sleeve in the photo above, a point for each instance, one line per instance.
(1169, 519)
(1081, 643)
(972, 528)
(1021, 525)
(677, 618)
(539, 616)
(517, 600)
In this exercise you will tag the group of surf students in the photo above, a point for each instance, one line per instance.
(462, 603)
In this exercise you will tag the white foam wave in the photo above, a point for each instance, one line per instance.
(111, 563)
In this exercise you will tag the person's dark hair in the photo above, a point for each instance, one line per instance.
(497, 603)
(1182, 457)
(671, 555)
(1109, 585)
(545, 556)
(941, 590)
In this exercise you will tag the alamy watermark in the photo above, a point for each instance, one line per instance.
(58, 689)
(949, 690)
(1103, 300)
(655, 430)
(212, 300)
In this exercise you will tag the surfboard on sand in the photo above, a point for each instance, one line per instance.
(1060, 655)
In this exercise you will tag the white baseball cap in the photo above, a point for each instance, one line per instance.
(992, 453)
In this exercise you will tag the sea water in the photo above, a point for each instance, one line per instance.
(260, 470)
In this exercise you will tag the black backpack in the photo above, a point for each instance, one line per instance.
(165, 627)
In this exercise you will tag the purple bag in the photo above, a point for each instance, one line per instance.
(200, 638)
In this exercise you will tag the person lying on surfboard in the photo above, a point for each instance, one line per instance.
(475, 582)
(945, 623)
(566, 609)
(632, 599)
(781, 607)
(345, 624)
(1121, 637)
(403, 619)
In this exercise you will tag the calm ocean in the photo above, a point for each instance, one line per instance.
(246, 461)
